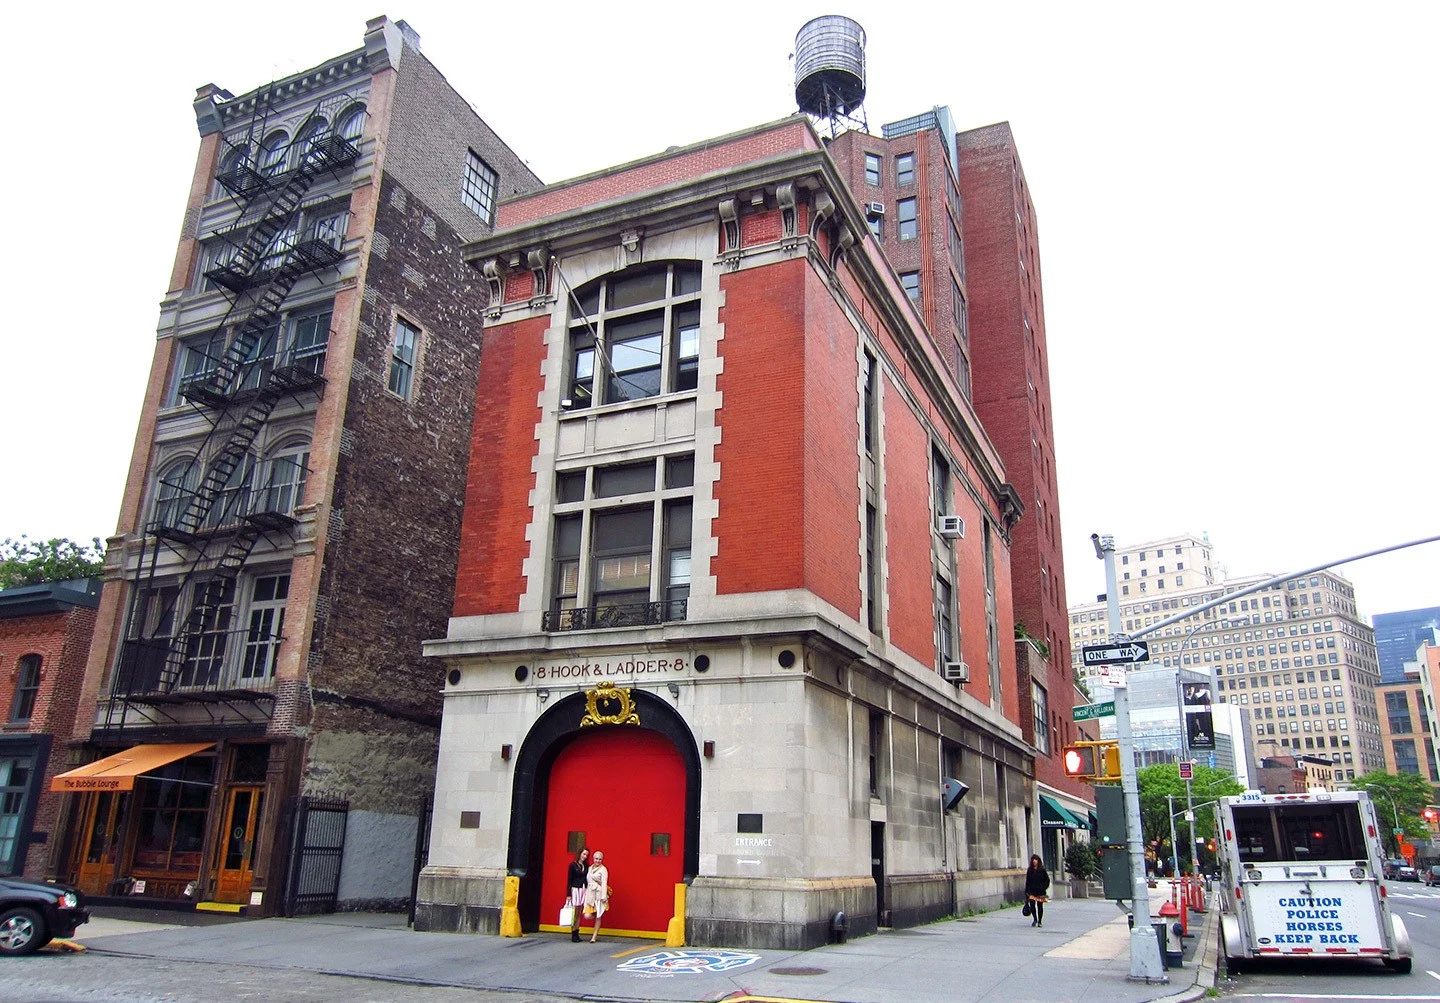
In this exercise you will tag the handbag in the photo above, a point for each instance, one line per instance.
(1028, 909)
(567, 915)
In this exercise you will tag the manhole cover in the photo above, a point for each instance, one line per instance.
(797, 971)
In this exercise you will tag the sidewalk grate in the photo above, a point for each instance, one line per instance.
(798, 970)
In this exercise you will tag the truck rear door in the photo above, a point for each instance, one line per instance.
(1306, 879)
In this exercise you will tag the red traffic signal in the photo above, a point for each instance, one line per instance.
(1431, 814)
(1092, 760)
(1079, 761)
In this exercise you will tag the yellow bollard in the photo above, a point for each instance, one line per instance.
(510, 909)
(675, 932)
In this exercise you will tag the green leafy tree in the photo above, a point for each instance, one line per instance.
(1158, 781)
(1405, 795)
(34, 562)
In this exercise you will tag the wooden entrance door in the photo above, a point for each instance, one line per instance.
(100, 840)
(238, 844)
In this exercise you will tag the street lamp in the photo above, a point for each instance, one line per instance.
(1184, 734)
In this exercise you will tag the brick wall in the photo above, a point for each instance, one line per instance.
(433, 129)
(389, 574)
(62, 640)
(910, 578)
(657, 172)
(761, 453)
(493, 546)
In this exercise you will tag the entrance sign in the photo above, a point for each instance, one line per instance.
(1089, 712)
(1115, 654)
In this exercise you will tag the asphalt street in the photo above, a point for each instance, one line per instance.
(1416, 904)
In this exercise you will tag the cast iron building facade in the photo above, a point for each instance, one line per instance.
(703, 557)
(289, 527)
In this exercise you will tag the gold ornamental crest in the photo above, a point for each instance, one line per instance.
(609, 704)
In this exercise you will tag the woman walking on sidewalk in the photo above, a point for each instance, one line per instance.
(1037, 883)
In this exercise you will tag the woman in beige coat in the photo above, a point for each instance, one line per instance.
(597, 890)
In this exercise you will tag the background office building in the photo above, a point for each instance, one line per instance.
(1295, 656)
(1397, 635)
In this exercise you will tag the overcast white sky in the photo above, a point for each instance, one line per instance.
(1237, 210)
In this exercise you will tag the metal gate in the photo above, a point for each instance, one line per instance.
(422, 857)
(318, 844)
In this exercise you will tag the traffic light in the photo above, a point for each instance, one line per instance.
(1430, 814)
(1092, 760)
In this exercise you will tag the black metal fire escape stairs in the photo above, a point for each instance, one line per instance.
(162, 659)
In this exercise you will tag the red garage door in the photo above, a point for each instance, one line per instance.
(624, 789)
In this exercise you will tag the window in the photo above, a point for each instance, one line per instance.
(15, 775)
(877, 226)
(281, 484)
(618, 577)
(905, 169)
(477, 191)
(402, 358)
(940, 482)
(272, 152)
(910, 282)
(877, 741)
(905, 215)
(957, 313)
(27, 685)
(648, 320)
(352, 123)
(314, 130)
(945, 619)
(872, 570)
(266, 627)
(872, 168)
(1040, 706)
(869, 403)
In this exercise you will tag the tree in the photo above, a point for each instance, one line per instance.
(34, 562)
(1405, 795)
(1158, 781)
(1081, 861)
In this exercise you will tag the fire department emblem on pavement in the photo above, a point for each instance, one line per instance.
(687, 962)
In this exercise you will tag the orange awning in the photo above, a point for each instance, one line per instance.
(118, 772)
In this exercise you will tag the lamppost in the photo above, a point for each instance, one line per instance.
(1184, 734)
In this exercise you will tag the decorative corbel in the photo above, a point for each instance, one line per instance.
(730, 219)
(824, 207)
(843, 242)
(538, 260)
(785, 196)
(494, 272)
(632, 243)
(1011, 507)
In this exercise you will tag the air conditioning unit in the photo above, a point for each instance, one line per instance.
(875, 209)
(952, 527)
(956, 672)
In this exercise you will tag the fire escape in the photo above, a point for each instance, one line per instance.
(176, 640)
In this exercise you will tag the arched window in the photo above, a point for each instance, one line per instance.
(272, 152)
(233, 501)
(27, 685)
(648, 320)
(176, 483)
(351, 123)
(282, 478)
(232, 165)
(314, 129)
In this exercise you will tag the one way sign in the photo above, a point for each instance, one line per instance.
(1115, 654)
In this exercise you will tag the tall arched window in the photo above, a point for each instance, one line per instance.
(351, 123)
(282, 478)
(176, 483)
(272, 152)
(314, 129)
(27, 685)
(233, 500)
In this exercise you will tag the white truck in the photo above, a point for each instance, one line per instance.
(1301, 878)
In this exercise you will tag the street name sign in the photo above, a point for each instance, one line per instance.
(1090, 711)
(1115, 654)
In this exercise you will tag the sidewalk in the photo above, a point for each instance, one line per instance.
(1080, 955)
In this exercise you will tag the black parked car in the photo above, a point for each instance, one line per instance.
(33, 914)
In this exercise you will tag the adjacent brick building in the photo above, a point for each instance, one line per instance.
(291, 520)
(44, 640)
(954, 217)
(735, 583)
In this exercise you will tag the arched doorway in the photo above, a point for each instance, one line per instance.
(621, 790)
(630, 770)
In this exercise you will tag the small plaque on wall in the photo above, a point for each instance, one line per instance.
(469, 820)
(749, 822)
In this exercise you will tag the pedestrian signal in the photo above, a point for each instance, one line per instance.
(1092, 760)
(1431, 814)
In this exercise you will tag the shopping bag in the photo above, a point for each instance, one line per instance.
(1028, 909)
(567, 915)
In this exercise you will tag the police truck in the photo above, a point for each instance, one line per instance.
(1301, 878)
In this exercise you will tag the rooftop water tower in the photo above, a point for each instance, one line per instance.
(830, 72)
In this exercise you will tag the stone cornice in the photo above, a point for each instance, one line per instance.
(214, 109)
